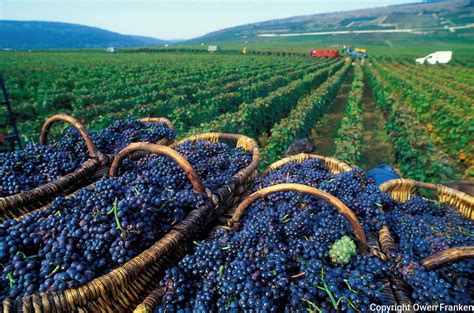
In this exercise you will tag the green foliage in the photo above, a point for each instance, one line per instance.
(213, 102)
(444, 106)
(258, 117)
(98, 87)
(303, 117)
(416, 154)
(342, 250)
(274, 97)
(349, 135)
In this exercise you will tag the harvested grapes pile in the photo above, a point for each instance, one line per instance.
(38, 164)
(99, 228)
(294, 252)
(423, 227)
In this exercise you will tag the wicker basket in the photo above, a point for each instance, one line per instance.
(334, 165)
(233, 223)
(402, 190)
(122, 289)
(90, 171)
(96, 166)
(449, 255)
(395, 291)
(165, 141)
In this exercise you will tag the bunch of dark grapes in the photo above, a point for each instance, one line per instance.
(101, 227)
(423, 227)
(354, 188)
(279, 259)
(36, 164)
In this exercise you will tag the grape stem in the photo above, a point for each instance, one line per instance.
(117, 220)
(349, 286)
(10, 279)
(348, 302)
(313, 306)
(285, 219)
(233, 298)
(26, 257)
(55, 270)
(326, 289)
(221, 269)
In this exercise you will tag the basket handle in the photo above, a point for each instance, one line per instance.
(241, 140)
(163, 120)
(448, 255)
(335, 166)
(198, 186)
(335, 202)
(401, 190)
(91, 147)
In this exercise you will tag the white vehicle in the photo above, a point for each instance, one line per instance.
(442, 57)
(213, 48)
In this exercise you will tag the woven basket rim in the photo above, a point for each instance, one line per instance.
(243, 141)
(163, 120)
(402, 189)
(336, 166)
(58, 183)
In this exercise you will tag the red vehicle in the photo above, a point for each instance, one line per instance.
(317, 53)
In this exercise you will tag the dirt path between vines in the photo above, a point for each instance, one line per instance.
(325, 131)
(376, 145)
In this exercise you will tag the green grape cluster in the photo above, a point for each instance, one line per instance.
(342, 250)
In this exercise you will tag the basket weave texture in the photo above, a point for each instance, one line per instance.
(122, 289)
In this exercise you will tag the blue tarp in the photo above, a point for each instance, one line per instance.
(383, 173)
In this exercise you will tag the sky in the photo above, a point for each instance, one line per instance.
(167, 19)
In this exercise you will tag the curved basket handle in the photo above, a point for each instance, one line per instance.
(335, 202)
(242, 141)
(163, 120)
(162, 150)
(448, 255)
(91, 147)
(335, 166)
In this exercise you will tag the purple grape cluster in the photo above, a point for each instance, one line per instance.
(422, 227)
(278, 260)
(36, 164)
(87, 235)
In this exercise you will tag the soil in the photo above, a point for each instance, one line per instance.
(325, 131)
(376, 146)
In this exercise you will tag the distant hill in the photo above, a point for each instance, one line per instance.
(149, 41)
(23, 35)
(445, 18)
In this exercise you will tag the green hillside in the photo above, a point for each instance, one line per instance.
(443, 24)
